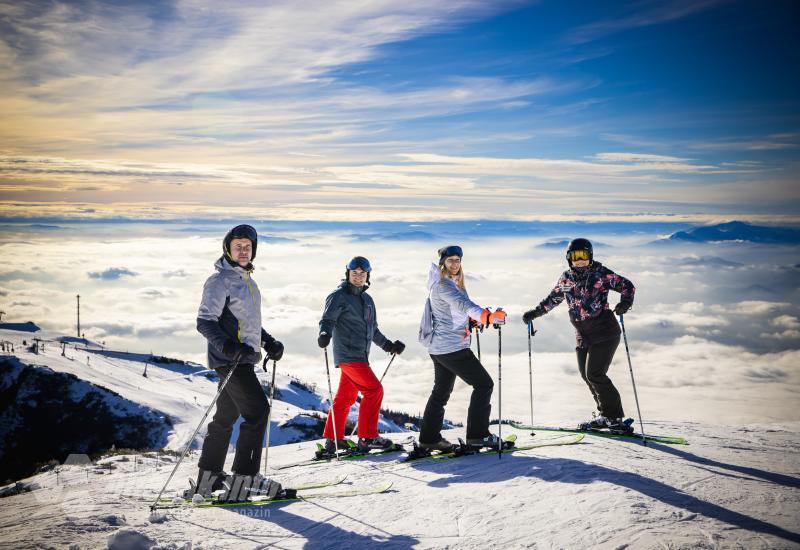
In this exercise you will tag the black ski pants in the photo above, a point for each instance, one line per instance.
(466, 366)
(243, 396)
(593, 364)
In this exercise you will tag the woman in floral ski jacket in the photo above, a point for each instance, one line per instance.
(585, 287)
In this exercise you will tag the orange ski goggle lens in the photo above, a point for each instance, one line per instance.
(575, 255)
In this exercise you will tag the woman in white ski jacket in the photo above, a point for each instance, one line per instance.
(445, 331)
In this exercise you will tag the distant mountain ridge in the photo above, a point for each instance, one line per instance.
(737, 231)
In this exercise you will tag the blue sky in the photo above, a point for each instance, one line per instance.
(392, 110)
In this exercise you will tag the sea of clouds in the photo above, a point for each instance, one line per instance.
(714, 333)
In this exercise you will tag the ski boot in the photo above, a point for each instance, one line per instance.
(621, 426)
(207, 482)
(328, 450)
(613, 425)
(598, 422)
(365, 445)
(443, 446)
(490, 440)
(240, 488)
(424, 450)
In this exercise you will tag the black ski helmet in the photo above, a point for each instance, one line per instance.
(243, 231)
(580, 244)
(358, 262)
(447, 251)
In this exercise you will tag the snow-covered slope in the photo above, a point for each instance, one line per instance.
(180, 391)
(731, 487)
(47, 415)
(728, 489)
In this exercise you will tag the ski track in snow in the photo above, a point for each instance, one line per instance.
(730, 488)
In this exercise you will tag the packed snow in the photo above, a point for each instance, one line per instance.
(730, 487)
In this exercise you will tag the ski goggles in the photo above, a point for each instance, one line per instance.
(575, 255)
(359, 262)
(452, 250)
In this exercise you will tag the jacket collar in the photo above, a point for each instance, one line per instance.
(352, 289)
(223, 264)
(581, 274)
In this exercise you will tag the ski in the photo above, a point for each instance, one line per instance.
(302, 487)
(458, 449)
(524, 446)
(669, 440)
(319, 484)
(291, 496)
(323, 459)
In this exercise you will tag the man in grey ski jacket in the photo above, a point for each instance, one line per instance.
(229, 318)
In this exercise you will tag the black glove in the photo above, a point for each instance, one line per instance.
(238, 352)
(532, 314)
(622, 307)
(324, 339)
(398, 347)
(274, 350)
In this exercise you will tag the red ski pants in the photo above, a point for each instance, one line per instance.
(356, 377)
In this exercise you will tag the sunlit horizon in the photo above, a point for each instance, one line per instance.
(412, 111)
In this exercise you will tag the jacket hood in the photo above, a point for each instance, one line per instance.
(433, 276)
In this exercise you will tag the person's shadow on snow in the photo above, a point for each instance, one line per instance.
(564, 470)
(773, 477)
(318, 533)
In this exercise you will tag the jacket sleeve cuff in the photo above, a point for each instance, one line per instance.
(475, 313)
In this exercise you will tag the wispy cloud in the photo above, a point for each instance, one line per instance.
(639, 15)
(771, 142)
(108, 175)
(312, 110)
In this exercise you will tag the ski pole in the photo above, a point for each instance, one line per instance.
(630, 367)
(269, 414)
(499, 390)
(381, 380)
(531, 332)
(191, 439)
(333, 416)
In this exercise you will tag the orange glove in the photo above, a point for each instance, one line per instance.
(486, 314)
(498, 317)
